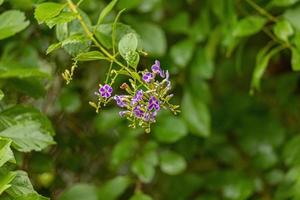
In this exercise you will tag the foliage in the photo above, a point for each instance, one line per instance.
(233, 67)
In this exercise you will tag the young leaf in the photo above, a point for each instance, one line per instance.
(5, 180)
(105, 11)
(128, 44)
(6, 154)
(295, 59)
(249, 26)
(63, 17)
(283, 30)
(262, 61)
(12, 22)
(53, 47)
(89, 56)
(48, 10)
(172, 163)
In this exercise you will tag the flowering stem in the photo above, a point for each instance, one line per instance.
(90, 35)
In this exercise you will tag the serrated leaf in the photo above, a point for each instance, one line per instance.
(196, 115)
(20, 185)
(105, 11)
(6, 154)
(172, 163)
(12, 22)
(249, 26)
(27, 128)
(89, 56)
(112, 189)
(53, 47)
(5, 180)
(283, 30)
(63, 17)
(48, 10)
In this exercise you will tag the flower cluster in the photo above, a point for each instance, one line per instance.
(142, 102)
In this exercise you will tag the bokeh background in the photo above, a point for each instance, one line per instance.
(231, 139)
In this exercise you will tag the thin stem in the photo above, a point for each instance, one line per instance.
(109, 71)
(261, 10)
(89, 34)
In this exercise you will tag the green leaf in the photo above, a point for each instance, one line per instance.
(169, 129)
(27, 128)
(144, 170)
(47, 11)
(80, 191)
(112, 189)
(12, 22)
(292, 15)
(6, 154)
(180, 23)
(105, 11)
(63, 17)
(128, 4)
(5, 180)
(139, 195)
(295, 59)
(182, 52)
(1, 2)
(283, 3)
(20, 185)
(172, 163)
(128, 44)
(196, 115)
(249, 26)
(89, 56)
(127, 48)
(1, 95)
(283, 30)
(291, 152)
(123, 151)
(104, 33)
(153, 39)
(32, 196)
(262, 61)
(53, 47)
(201, 66)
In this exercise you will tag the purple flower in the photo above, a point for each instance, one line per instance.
(137, 97)
(147, 77)
(150, 116)
(138, 112)
(120, 99)
(157, 70)
(123, 113)
(106, 91)
(153, 104)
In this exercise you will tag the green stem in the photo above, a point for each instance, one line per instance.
(261, 10)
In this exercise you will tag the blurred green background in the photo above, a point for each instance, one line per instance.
(225, 143)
